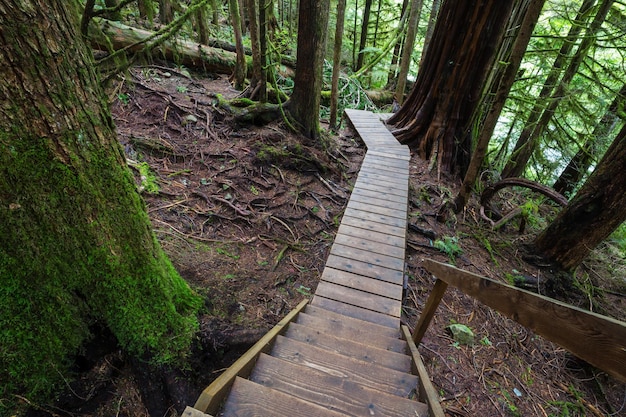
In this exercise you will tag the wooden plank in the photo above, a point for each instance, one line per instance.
(426, 390)
(348, 220)
(360, 372)
(386, 154)
(429, 310)
(370, 245)
(376, 201)
(363, 283)
(375, 195)
(359, 298)
(384, 170)
(382, 189)
(331, 390)
(394, 332)
(356, 312)
(385, 161)
(212, 396)
(384, 177)
(387, 239)
(341, 329)
(400, 213)
(248, 398)
(597, 339)
(355, 349)
(365, 268)
(367, 256)
(192, 412)
(395, 186)
(378, 218)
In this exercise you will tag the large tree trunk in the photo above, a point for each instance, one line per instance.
(76, 245)
(580, 163)
(540, 114)
(596, 210)
(449, 84)
(501, 82)
(305, 99)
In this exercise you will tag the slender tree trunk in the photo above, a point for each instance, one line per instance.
(395, 57)
(364, 31)
(596, 210)
(239, 74)
(76, 244)
(263, 30)
(502, 85)
(354, 32)
(377, 23)
(334, 95)
(436, 113)
(215, 13)
(202, 26)
(432, 20)
(539, 115)
(305, 99)
(257, 64)
(407, 49)
(580, 163)
(166, 11)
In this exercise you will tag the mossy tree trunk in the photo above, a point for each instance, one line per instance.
(596, 210)
(304, 103)
(334, 94)
(76, 245)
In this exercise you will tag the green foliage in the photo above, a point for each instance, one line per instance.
(450, 246)
(149, 182)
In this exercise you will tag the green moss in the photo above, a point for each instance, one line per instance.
(76, 249)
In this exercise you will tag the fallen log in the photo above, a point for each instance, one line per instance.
(218, 56)
(107, 35)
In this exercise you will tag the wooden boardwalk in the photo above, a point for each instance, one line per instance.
(345, 353)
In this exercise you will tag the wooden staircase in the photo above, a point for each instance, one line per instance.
(345, 353)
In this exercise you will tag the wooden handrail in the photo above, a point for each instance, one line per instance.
(595, 338)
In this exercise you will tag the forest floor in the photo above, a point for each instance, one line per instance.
(248, 214)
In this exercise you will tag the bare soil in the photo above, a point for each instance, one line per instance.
(248, 213)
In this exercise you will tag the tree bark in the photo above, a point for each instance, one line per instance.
(364, 30)
(255, 41)
(334, 89)
(448, 87)
(596, 210)
(432, 20)
(76, 245)
(305, 100)
(407, 49)
(502, 83)
(239, 74)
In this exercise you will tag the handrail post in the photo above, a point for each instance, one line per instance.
(429, 310)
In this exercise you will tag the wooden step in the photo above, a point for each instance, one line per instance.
(397, 231)
(370, 245)
(372, 207)
(358, 298)
(330, 390)
(356, 312)
(382, 357)
(354, 321)
(250, 399)
(340, 328)
(363, 283)
(374, 376)
(372, 236)
(362, 255)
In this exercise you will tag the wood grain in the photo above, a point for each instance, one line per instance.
(356, 312)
